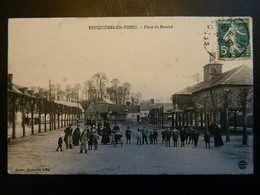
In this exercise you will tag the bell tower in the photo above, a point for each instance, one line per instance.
(212, 69)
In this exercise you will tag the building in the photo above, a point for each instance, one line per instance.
(105, 109)
(218, 97)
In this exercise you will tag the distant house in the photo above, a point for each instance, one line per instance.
(98, 110)
(105, 109)
(133, 113)
(145, 109)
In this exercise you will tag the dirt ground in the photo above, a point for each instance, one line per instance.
(36, 154)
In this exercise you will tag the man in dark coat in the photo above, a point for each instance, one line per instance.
(155, 135)
(217, 135)
(151, 137)
(68, 136)
(76, 136)
(163, 135)
(128, 133)
(168, 134)
(182, 136)
(207, 139)
(99, 127)
(196, 138)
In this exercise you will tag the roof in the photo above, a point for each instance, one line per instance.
(105, 101)
(105, 108)
(167, 109)
(70, 104)
(145, 106)
(242, 75)
(159, 105)
(133, 109)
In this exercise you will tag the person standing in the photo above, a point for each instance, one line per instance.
(151, 137)
(144, 135)
(175, 135)
(155, 135)
(138, 137)
(84, 141)
(76, 136)
(68, 136)
(163, 135)
(59, 144)
(168, 134)
(196, 137)
(217, 136)
(207, 139)
(128, 133)
(183, 137)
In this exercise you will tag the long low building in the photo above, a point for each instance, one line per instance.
(220, 98)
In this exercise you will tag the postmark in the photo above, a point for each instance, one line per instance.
(233, 38)
(242, 164)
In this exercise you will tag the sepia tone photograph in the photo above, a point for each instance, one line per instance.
(130, 96)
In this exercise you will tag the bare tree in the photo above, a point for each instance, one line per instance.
(135, 98)
(101, 80)
(243, 99)
(197, 77)
(115, 85)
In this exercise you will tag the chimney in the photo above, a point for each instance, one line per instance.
(152, 101)
(10, 81)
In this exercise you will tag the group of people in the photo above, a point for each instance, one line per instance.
(88, 137)
(143, 135)
(91, 133)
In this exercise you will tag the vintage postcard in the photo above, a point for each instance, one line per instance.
(130, 95)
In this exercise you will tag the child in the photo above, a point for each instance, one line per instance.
(59, 144)
(207, 139)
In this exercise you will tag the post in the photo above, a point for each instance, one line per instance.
(162, 116)
(206, 113)
(45, 122)
(172, 119)
(32, 116)
(226, 122)
(23, 123)
(40, 121)
(14, 125)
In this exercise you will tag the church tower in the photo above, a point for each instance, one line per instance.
(212, 69)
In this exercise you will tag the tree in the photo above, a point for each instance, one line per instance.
(101, 80)
(135, 98)
(197, 77)
(243, 98)
(114, 90)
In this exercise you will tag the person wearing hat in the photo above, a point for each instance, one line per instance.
(68, 136)
(76, 136)
(59, 143)
(155, 135)
(128, 133)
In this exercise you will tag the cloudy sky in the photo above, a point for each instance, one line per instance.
(156, 62)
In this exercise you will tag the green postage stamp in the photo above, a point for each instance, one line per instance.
(234, 38)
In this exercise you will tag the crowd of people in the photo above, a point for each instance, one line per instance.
(90, 135)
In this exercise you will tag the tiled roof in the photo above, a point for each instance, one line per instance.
(144, 106)
(70, 104)
(242, 75)
(133, 109)
(105, 101)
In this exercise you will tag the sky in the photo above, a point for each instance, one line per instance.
(157, 62)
